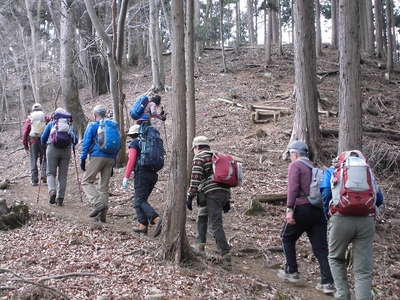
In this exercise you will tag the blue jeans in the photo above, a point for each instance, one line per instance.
(145, 181)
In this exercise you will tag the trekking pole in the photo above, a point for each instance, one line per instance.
(165, 134)
(77, 174)
(38, 194)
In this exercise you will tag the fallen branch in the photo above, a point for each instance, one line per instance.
(16, 150)
(229, 102)
(53, 290)
(389, 134)
(270, 198)
(67, 275)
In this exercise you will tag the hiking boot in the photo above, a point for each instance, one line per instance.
(102, 217)
(227, 259)
(327, 288)
(98, 209)
(158, 222)
(52, 195)
(291, 277)
(140, 229)
(34, 183)
(44, 180)
(60, 201)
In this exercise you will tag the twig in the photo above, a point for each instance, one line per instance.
(16, 150)
(67, 275)
(53, 290)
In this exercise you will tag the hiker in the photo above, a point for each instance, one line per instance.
(351, 221)
(145, 175)
(60, 137)
(302, 216)
(101, 141)
(212, 198)
(31, 132)
(144, 109)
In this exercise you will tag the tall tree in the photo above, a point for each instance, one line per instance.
(378, 15)
(350, 127)
(176, 246)
(154, 45)
(238, 26)
(306, 123)
(370, 28)
(318, 36)
(250, 21)
(389, 34)
(68, 83)
(268, 32)
(196, 28)
(221, 34)
(334, 13)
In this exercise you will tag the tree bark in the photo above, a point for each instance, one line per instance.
(306, 123)
(190, 87)
(268, 35)
(318, 36)
(196, 28)
(363, 25)
(370, 29)
(250, 22)
(175, 246)
(153, 31)
(275, 22)
(378, 14)
(221, 34)
(350, 121)
(237, 36)
(334, 14)
(389, 34)
(68, 83)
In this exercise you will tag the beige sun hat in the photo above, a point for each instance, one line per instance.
(200, 141)
(134, 129)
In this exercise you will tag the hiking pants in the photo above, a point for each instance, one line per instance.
(57, 169)
(309, 219)
(145, 180)
(98, 195)
(360, 231)
(211, 215)
(37, 151)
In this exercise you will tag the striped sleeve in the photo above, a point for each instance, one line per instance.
(197, 174)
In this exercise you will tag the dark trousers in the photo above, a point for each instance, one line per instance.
(212, 217)
(145, 181)
(309, 219)
(37, 152)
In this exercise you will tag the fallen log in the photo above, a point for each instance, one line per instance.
(218, 48)
(228, 101)
(389, 134)
(270, 198)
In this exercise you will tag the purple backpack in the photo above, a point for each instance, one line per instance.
(61, 132)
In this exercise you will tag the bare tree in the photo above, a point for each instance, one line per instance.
(196, 28)
(221, 34)
(350, 122)
(318, 36)
(334, 13)
(306, 123)
(268, 32)
(237, 36)
(155, 45)
(370, 28)
(389, 34)
(175, 246)
(69, 88)
(378, 14)
(250, 22)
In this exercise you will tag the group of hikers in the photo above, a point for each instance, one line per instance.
(335, 207)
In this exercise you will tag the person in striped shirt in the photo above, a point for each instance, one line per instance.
(212, 198)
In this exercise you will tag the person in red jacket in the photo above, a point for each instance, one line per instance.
(144, 181)
(31, 132)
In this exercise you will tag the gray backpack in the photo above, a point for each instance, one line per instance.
(317, 175)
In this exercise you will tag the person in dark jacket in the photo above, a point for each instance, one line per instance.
(302, 216)
(345, 230)
(100, 162)
(212, 198)
(145, 180)
(57, 160)
(32, 144)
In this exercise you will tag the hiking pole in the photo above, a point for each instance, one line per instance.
(77, 174)
(38, 194)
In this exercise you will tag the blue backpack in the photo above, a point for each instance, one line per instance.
(137, 108)
(108, 136)
(151, 148)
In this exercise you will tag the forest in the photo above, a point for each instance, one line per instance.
(253, 77)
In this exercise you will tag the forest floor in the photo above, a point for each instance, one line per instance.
(123, 265)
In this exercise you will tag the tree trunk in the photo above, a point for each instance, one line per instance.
(255, 22)
(250, 15)
(378, 14)
(132, 59)
(318, 36)
(306, 123)
(275, 23)
(334, 10)
(190, 87)
(389, 34)
(160, 57)
(153, 31)
(68, 83)
(221, 34)
(363, 25)
(237, 36)
(350, 121)
(268, 35)
(175, 246)
(370, 29)
(280, 46)
(196, 28)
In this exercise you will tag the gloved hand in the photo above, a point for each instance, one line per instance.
(163, 117)
(189, 201)
(125, 183)
(83, 164)
(227, 207)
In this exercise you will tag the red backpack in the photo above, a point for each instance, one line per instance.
(226, 170)
(353, 187)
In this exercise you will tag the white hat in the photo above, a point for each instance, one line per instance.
(134, 129)
(200, 141)
(36, 107)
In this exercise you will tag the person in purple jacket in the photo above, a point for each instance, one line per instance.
(302, 216)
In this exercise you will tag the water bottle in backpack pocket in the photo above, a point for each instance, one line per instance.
(108, 136)
(151, 148)
(137, 108)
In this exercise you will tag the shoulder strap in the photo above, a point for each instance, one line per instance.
(307, 163)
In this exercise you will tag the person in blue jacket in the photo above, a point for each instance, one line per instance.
(59, 136)
(344, 230)
(100, 162)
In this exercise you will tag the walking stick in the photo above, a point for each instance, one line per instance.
(77, 174)
(38, 193)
